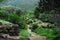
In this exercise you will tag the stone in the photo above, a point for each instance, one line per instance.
(37, 37)
(9, 28)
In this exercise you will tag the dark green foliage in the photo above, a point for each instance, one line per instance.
(46, 6)
(34, 27)
(45, 16)
(24, 38)
(1, 0)
(10, 14)
(3, 15)
(9, 17)
(13, 18)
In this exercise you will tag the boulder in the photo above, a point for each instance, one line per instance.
(9, 28)
(37, 37)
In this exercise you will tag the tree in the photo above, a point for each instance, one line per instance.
(46, 6)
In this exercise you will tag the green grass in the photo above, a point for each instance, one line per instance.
(46, 32)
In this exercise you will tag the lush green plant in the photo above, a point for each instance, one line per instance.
(50, 33)
(45, 32)
(13, 18)
(57, 33)
(3, 15)
(24, 33)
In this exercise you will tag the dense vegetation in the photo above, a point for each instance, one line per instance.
(40, 21)
(48, 11)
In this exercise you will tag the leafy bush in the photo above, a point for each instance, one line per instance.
(57, 33)
(45, 16)
(52, 34)
(45, 32)
(13, 18)
(10, 17)
(24, 33)
(3, 15)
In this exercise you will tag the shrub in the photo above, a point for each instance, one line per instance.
(24, 33)
(52, 34)
(13, 18)
(3, 15)
(45, 32)
(45, 16)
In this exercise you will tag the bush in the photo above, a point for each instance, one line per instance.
(52, 34)
(24, 33)
(3, 15)
(57, 33)
(13, 18)
(45, 16)
(45, 32)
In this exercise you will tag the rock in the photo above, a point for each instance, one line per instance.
(34, 36)
(9, 28)
(38, 38)
(8, 37)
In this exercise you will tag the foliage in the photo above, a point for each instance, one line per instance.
(29, 19)
(9, 17)
(24, 33)
(13, 18)
(1, 0)
(47, 5)
(50, 33)
(45, 32)
(25, 17)
(23, 39)
(3, 15)
(45, 16)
